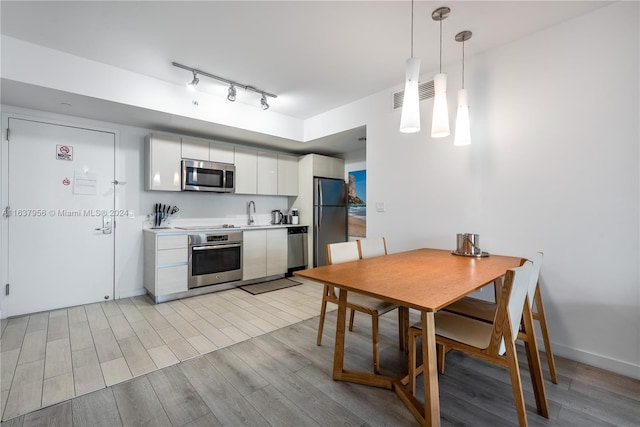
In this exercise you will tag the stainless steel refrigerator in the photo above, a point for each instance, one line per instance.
(329, 216)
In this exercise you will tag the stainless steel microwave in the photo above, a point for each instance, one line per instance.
(198, 175)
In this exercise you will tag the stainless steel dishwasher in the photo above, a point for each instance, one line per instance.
(297, 249)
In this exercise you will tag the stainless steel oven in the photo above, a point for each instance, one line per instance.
(215, 257)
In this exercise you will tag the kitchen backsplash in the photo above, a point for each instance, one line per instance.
(214, 209)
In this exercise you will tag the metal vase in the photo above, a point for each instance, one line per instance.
(468, 244)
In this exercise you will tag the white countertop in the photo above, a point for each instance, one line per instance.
(180, 229)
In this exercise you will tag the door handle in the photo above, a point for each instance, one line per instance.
(106, 225)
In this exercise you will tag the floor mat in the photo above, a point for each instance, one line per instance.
(272, 285)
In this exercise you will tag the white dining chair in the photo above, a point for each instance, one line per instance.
(485, 311)
(493, 342)
(344, 252)
(372, 247)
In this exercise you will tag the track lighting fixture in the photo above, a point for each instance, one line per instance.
(232, 93)
(231, 96)
(440, 122)
(193, 83)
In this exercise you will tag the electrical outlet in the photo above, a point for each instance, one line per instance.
(379, 206)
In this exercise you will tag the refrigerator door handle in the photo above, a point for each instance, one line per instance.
(320, 192)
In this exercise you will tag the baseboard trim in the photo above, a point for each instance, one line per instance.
(132, 293)
(603, 362)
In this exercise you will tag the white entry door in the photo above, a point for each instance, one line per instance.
(60, 230)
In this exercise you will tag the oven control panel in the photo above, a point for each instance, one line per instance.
(218, 238)
(222, 237)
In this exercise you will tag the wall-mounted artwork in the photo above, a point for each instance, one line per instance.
(358, 203)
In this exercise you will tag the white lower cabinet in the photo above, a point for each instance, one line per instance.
(166, 259)
(264, 253)
(276, 251)
(254, 254)
(166, 263)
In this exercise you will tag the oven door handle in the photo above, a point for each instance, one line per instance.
(209, 247)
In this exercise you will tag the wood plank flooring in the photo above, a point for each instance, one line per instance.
(51, 357)
(282, 378)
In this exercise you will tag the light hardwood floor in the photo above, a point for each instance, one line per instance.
(50, 357)
(282, 378)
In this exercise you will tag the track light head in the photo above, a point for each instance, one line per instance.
(232, 93)
(263, 102)
(193, 83)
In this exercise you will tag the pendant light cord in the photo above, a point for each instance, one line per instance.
(462, 64)
(441, 44)
(412, 28)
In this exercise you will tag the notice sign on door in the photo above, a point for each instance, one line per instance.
(64, 152)
(85, 183)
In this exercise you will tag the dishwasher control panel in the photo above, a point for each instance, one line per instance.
(297, 230)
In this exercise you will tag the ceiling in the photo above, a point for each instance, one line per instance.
(315, 55)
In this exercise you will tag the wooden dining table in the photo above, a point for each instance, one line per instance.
(423, 279)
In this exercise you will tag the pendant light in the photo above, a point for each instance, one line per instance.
(463, 128)
(410, 117)
(440, 122)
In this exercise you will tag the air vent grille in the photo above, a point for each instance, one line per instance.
(425, 91)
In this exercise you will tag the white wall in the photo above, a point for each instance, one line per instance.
(554, 166)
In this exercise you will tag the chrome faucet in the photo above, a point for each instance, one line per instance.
(249, 209)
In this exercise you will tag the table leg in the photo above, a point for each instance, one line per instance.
(430, 376)
(338, 354)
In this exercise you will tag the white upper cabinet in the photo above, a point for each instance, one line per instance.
(195, 149)
(257, 172)
(328, 167)
(267, 173)
(162, 162)
(246, 161)
(287, 175)
(198, 149)
(221, 153)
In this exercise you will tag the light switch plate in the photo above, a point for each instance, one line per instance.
(379, 206)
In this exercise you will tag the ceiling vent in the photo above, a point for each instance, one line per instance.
(425, 91)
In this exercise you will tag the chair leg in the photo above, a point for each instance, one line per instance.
(516, 382)
(323, 311)
(374, 339)
(542, 320)
(442, 351)
(497, 289)
(351, 317)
